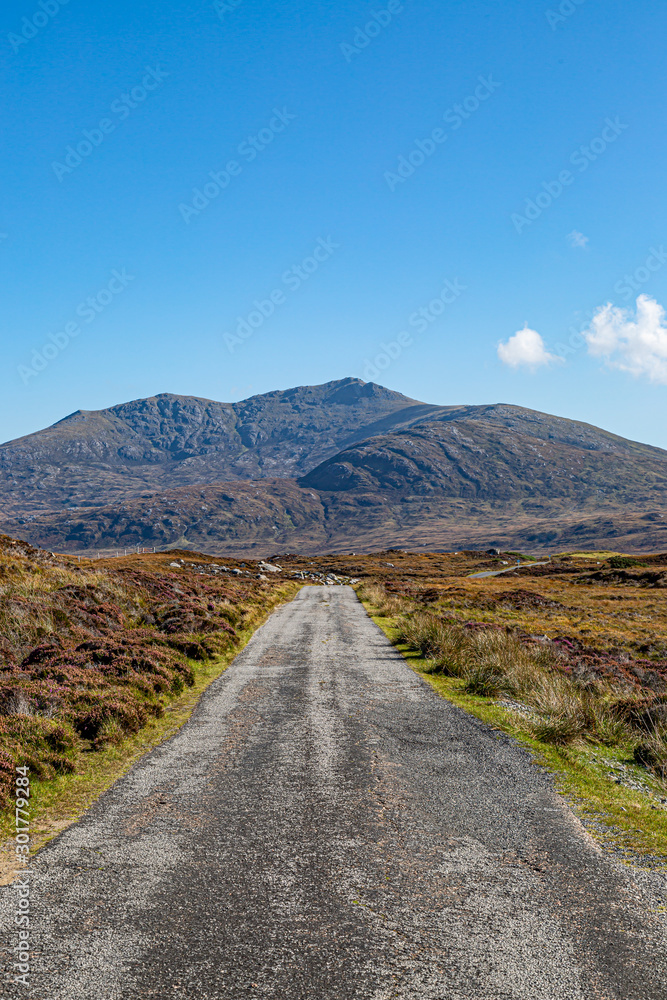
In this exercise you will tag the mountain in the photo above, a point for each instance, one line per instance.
(104, 455)
(498, 453)
(345, 466)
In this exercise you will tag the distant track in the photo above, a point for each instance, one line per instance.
(325, 827)
(510, 569)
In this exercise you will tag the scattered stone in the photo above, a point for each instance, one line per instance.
(270, 568)
(516, 706)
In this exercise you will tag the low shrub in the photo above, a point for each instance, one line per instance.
(651, 752)
(89, 654)
(559, 729)
(426, 634)
(623, 562)
(45, 746)
(493, 662)
(377, 596)
(486, 681)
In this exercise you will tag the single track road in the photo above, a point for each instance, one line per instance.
(325, 827)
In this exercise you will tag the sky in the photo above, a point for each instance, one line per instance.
(463, 201)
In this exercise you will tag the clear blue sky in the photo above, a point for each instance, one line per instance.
(329, 123)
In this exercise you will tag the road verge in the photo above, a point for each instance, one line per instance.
(623, 807)
(58, 802)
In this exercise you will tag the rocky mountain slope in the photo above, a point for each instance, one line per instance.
(429, 477)
(274, 516)
(499, 453)
(101, 456)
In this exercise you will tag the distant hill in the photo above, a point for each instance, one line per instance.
(498, 453)
(341, 467)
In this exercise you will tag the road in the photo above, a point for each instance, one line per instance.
(325, 826)
(510, 569)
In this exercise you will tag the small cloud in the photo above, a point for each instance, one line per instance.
(578, 239)
(631, 343)
(526, 349)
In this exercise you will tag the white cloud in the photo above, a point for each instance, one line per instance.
(635, 344)
(526, 348)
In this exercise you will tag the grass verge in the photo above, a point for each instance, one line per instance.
(57, 803)
(630, 821)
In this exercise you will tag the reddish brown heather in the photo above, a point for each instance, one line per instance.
(89, 652)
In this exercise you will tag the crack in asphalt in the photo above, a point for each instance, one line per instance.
(325, 827)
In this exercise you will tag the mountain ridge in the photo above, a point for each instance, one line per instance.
(315, 468)
(172, 440)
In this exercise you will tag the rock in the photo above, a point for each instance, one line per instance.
(269, 568)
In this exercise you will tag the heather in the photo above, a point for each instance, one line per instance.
(577, 647)
(90, 651)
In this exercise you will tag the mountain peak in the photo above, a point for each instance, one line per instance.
(349, 463)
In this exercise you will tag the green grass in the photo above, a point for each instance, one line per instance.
(616, 816)
(58, 802)
(591, 556)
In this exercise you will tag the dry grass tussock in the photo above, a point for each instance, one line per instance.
(31, 601)
(563, 709)
(382, 602)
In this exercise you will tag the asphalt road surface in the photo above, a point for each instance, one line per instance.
(510, 569)
(325, 826)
